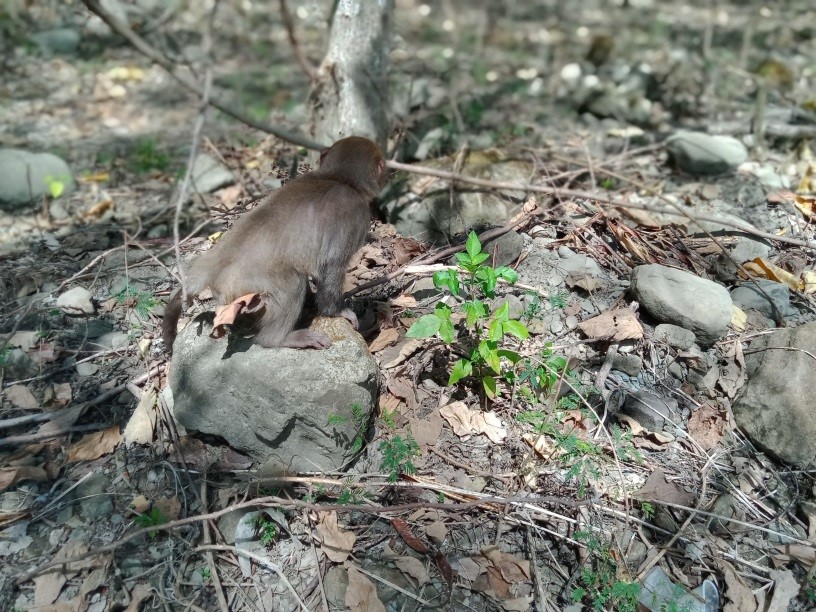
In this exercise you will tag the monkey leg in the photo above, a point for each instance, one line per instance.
(283, 308)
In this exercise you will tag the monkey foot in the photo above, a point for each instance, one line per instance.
(306, 338)
(348, 315)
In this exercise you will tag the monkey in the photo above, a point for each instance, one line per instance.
(305, 231)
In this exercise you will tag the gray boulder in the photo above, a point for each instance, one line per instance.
(275, 404)
(674, 296)
(776, 408)
(26, 177)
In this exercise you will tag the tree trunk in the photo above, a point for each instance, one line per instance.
(350, 97)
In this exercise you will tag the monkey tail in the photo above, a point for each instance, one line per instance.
(172, 312)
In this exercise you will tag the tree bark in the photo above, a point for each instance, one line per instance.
(350, 97)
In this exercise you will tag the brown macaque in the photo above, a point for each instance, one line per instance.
(305, 231)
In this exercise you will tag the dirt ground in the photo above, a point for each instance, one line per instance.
(489, 519)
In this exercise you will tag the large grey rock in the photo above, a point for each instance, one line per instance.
(681, 298)
(423, 209)
(25, 177)
(275, 404)
(698, 153)
(777, 406)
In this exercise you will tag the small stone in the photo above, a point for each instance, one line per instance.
(701, 154)
(86, 368)
(675, 336)
(76, 301)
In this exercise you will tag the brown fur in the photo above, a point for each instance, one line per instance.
(307, 229)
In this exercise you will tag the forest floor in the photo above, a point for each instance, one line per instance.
(525, 496)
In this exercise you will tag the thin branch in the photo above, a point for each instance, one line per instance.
(289, 24)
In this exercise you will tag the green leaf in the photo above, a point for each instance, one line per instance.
(495, 331)
(461, 368)
(502, 312)
(473, 246)
(474, 310)
(487, 351)
(516, 328)
(511, 356)
(56, 188)
(489, 384)
(508, 274)
(425, 327)
(447, 279)
(479, 258)
(443, 311)
(447, 331)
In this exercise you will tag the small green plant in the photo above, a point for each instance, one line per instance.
(141, 301)
(581, 458)
(56, 185)
(483, 333)
(608, 183)
(206, 574)
(148, 157)
(558, 300)
(268, 530)
(154, 518)
(648, 510)
(810, 590)
(4, 355)
(360, 423)
(350, 495)
(397, 455)
(600, 585)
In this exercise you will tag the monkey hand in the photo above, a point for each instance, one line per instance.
(348, 315)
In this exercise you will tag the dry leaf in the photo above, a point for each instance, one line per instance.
(466, 422)
(9, 518)
(407, 535)
(402, 387)
(426, 431)
(99, 209)
(408, 348)
(760, 268)
(738, 595)
(142, 424)
(386, 337)
(95, 445)
(337, 544)
(140, 504)
(57, 396)
(437, 531)
(47, 588)
(24, 340)
(10, 476)
(706, 426)
(739, 320)
(542, 445)
(658, 489)
(414, 568)
(786, 587)
(249, 304)
(170, 507)
(21, 397)
(620, 324)
(361, 596)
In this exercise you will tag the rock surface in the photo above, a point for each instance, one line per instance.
(275, 404)
(673, 296)
(423, 209)
(777, 408)
(210, 174)
(25, 177)
(76, 301)
(701, 154)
